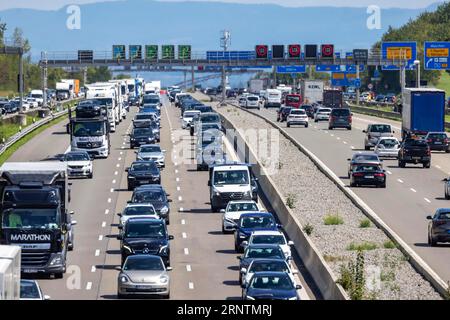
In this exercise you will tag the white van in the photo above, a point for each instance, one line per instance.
(272, 98)
(38, 95)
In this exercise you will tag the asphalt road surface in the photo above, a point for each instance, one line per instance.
(204, 263)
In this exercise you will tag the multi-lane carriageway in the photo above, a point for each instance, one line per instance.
(412, 193)
(204, 263)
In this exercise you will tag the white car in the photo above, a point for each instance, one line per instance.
(242, 102)
(271, 237)
(322, 114)
(137, 210)
(297, 116)
(187, 117)
(32, 102)
(30, 290)
(266, 265)
(252, 101)
(387, 147)
(233, 212)
(79, 163)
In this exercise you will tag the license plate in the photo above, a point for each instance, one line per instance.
(143, 287)
(416, 158)
(369, 177)
(145, 181)
(437, 142)
(29, 271)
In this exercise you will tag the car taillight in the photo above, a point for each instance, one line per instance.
(358, 174)
(379, 174)
(439, 223)
(349, 119)
(445, 140)
(428, 152)
(429, 140)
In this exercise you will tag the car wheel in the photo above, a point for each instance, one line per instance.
(306, 125)
(167, 296)
(70, 246)
(330, 128)
(288, 125)
(401, 164)
(447, 150)
(431, 241)
(120, 295)
(352, 184)
(236, 248)
(91, 175)
(167, 221)
(349, 128)
(315, 120)
(366, 148)
(214, 209)
(130, 187)
(383, 185)
(58, 275)
(199, 167)
(447, 196)
(427, 165)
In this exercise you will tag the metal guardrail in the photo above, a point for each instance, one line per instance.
(29, 129)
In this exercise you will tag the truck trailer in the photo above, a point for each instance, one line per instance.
(332, 98)
(10, 283)
(312, 91)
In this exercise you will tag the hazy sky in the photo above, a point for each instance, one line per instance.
(56, 4)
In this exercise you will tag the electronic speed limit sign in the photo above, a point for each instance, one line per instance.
(262, 51)
(294, 51)
(328, 51)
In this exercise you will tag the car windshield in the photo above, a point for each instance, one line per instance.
(415, 143)
(29, 290)
(89, 129)
(47, 218)
(145, 230)
(365, 157)
(272, 282)
(148, 196)
(139, 211)
(150, 149)
(231, 177)
(147, 116)
(105, 101)
(268, 239)
(367, 168)
(380, 128)
(77, 157)
(257, 222)
(389, 143)
(142, 132)
(210, 118)
(444, 216)
(298, 112)
(151, 100)
(144, 166)
(264, 253)
(134, 263)
(340, 112)
(233, 207)
(437, 136)
(189, 114)
(293, 99)
(261, 266)
(252, 98)
(324, 110)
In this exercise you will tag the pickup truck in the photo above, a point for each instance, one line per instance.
(414, 151)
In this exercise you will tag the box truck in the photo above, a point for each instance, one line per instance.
(332, 98)
(255, 86)
(312, 91)
(13, 254)
(423, 111)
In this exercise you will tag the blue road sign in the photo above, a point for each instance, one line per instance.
(230, 55)
(437, 55)
(328, 68)
(344, 79)
(398, 50)
(357, 83)
(291, 69)
(352, 68)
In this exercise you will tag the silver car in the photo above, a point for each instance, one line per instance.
(387, 147)
(322, 114)
(374, 132)
(30, 290)
(153, 152)
(447, 188)
(144, 275)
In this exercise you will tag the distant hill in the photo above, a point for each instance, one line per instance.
(199, 24)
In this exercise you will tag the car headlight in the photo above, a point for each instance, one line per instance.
(56, 260)
(248, 193)
(242, 235)
(293, 298)
(249, 298)
(140, 158)
(163, 250)
(128, 248)
(123, 279)
(164, 210)
(164, 279)
(149, 138)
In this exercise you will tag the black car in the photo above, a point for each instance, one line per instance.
(260, 251)
(143, 172)
(438, 141)
(133, 101)
(145, 236)
(414, 151)
(272, 285)
(155, 195)
(249, 222)
(309, 110)
(11, 107)
(340, 118)
(368, 174)
(282, 113)
(142, 136)
(439, 227)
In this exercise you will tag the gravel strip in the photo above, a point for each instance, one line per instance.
(318, 198)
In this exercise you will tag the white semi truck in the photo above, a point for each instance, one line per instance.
(312, 91)
(106, 94)
(10, 261)
(152, 87)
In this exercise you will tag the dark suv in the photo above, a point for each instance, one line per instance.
(156, 196)
(438, 141)
(414, 151)
(145, 236)
(142, 136)
(439, 227)
(143, 172)
(282, 113)
(340, 118)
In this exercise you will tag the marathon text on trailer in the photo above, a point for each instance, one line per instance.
(30, 237)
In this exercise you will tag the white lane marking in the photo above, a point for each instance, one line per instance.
(118, 165)
(191, 285)
(111, 190)
(180, 198)
(315, 127)
(100, 238)
(352, 147)
(103, 224)
(177, 179)
(178, 188)
(116, 173)
(183, 221)
(97, 252)
(168, 118)
(176, 164)
(123, 147)
(109, 200)
(332, 135)
(184, 235)
(439, 167)
(327, 132)
(400, 180)
(413, 190)
(119, 159)
(114, 181)
(174, 156)
(176, 170)
(188, 268)
(93, 269)
(121, 152)
(388, 172)
(345, 142)
(181, 210)
(338, 138)
(89, 286)
(186, 251)
(106, 211)
(427, 200)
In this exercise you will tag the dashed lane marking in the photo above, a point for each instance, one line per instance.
(180, 198)
(427, 200)
(103, 224)
(184, 235)
(188, 268)
(93, 269)
(191, 285)
(109, 200)
(183, 221)
(97, 252)
(106, 211)
(413, 190)
(100, 237)
(400, 180)
(186, 251)
(89, 286)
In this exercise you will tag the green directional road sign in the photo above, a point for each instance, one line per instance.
(135, 51)
(118, 52)
(151, 52)
(184, 52)
(168, 52)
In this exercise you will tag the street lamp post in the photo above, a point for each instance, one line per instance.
(417, 64)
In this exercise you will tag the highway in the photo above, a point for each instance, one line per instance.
(412, 193)
(204, 263)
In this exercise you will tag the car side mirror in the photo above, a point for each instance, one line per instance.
(244, 243)
(243, 270)
(171, 237)
(71, 212)
(74, 223)
(298, 287)
(429, 218)
(119, 237)
(169, 200)
(120, 227)
(47, 297)
(364, 131)
(222, 210)
(127, 169)
(393, 131)
(119, 214)
(445, 180)
(129, 201)
(169, 268)
(239, 257)
(290, 243)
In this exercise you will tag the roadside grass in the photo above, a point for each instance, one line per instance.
(333, 220)
(10, 129)
(444, 83)
(365, 223)
(8, 93)
(5, 156)
(389, 245)
(363, 246)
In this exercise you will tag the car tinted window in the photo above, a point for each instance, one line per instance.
(261, 266)
(29, 290)
(242, 207)
(437, 136)
(389, 143)
(77, 157)
(144, 166)
(142, 264)
(150, 149)
(366, 157)
(148, 196)
(324, 110)
(298, 111)
(144, 229)
(264, 253)
(142, 131)
(294, 99)
(340, 112)
(367, 168)
(444, 216)
(268, 239)
(257, 222)
(415, 143)
(380, 128)
(253, 98)
(210, 118)
(139, 211)
(271, 282)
